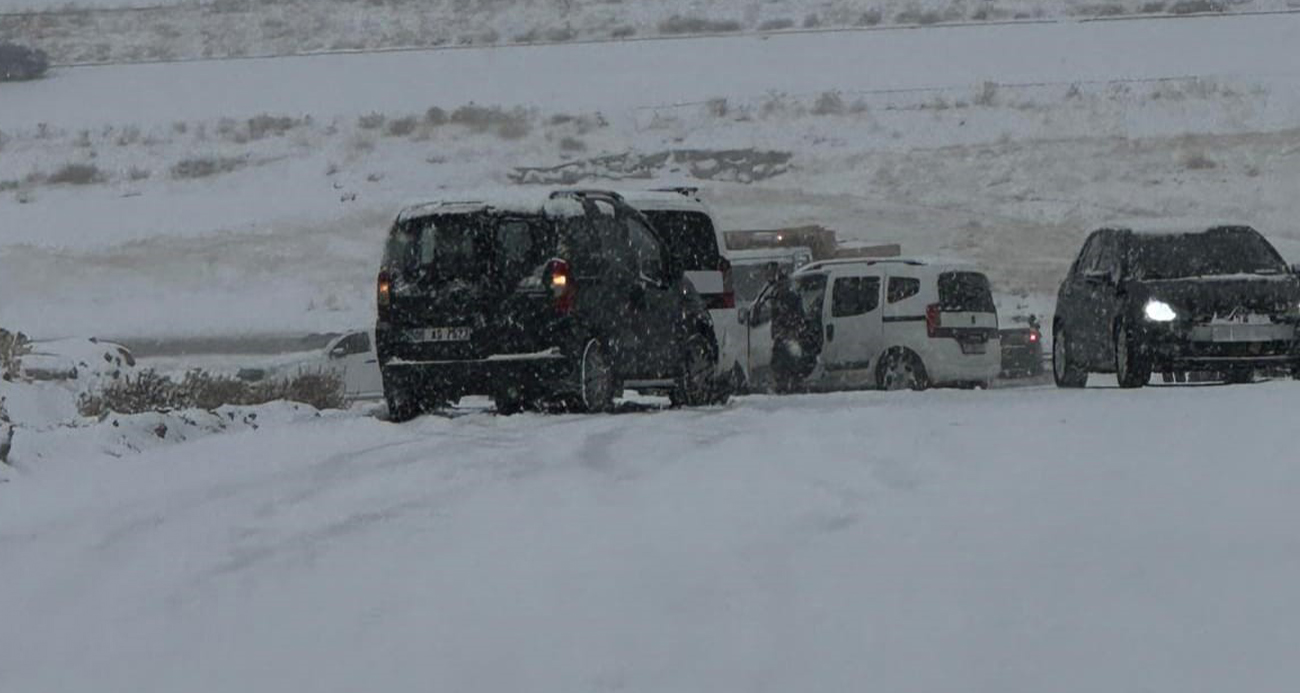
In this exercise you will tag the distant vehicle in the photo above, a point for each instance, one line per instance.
(1207, 298)
(687, 227)
(1022, 350)
(753, 269)
(18, 63)
(353, 357)
(90, 361)
(557, 300)
(888, 323)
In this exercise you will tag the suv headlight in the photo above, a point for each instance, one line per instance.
(1159, 311)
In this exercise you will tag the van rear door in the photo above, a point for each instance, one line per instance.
(853, 328)
(965, 311)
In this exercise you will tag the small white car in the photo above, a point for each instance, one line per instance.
(89, 360)
(352, 356)
(886, 323)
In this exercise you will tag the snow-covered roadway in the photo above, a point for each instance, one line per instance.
(1009, 541)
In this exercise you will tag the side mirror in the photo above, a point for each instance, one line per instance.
(338, 352)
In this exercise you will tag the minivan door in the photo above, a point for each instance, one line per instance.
(853, 327)
(965, 312)
(656, 303)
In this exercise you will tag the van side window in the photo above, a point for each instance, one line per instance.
(901, 288)
(356, 343)
(854, 296)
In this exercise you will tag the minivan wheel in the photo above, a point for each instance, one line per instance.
(1065, 370)
(1132, 367)
(596, 381)
(901, 370)
(696, 384)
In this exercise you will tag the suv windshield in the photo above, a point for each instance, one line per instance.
(441, 248)
(1213, 253)
(690, 236)
(965, 292)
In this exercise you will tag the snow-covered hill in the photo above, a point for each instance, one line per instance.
(164, 208)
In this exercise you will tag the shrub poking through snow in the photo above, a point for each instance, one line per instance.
(372, 121)
(13, 345)
(149, 391)
(403, 127)
(76, 174)
(511, 125)
(1198, 162)
(829, 103)
(678, 24)
(202, 167)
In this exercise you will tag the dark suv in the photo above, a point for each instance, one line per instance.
(21, 63)
(1215, 299)
(555, 301)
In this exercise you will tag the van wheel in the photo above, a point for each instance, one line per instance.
(901, 369)
(1132, 367)
(1066, 370)
(596, 381)
(696, 385)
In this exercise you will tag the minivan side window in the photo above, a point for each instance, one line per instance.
(854, 296)
(902, 288)
(1088, 256)
(649, 254)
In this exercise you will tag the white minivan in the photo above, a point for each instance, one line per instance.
(352, 357)
(887, 323)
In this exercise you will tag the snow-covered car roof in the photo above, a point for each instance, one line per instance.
(664, 200)
(1171, 227)
(759, 255)
(934, 263)
(515, 201)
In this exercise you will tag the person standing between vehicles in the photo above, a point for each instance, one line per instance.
(789, 328)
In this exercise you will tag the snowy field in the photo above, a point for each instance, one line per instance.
(167, 211)
(1022, 541)
(99, 31)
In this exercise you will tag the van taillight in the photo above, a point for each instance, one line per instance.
(385, 289)
(728, 284)
(563, 287)
(932, 320)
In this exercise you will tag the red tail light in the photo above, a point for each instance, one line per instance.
(384, 289)
(728, 284)
(932, 320)
(562, 285)
(1033, 336)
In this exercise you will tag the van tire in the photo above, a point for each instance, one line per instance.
(1132, 366)
(901, 369)
(697, 384)
(1065, 370)
(597, 383)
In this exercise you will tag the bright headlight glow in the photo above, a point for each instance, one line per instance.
(1159, 311)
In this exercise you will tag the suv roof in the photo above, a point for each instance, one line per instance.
(1173, 227)
(555, 203)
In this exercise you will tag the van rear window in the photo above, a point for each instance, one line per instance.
(965, 292)
(471, 247)
(690, 237)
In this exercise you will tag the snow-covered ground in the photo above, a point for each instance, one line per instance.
(1005, 541)
(99, 31)
(261, 209)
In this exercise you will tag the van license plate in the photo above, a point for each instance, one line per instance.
(439, 334)
(974, 347)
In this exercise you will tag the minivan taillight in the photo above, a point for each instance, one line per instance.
(728, 284)
(563, 287)
(384, 289)
(932, 320)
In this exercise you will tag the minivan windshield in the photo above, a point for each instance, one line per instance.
(690, 237)
(437, 249)
(1213, 253)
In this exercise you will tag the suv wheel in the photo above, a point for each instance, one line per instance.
(696, 385)
(901, 370)
(1132, 367)
(1065, 371)
(596, 381)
